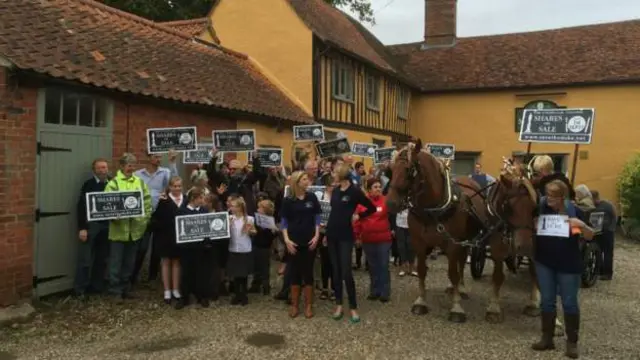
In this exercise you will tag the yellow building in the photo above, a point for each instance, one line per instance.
(473, 90)
(324, 60)
(468, 92)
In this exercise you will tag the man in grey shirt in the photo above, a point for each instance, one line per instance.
(607, 239)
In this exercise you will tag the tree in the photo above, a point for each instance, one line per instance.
(628, 184)
(169, 10)
(362, 8)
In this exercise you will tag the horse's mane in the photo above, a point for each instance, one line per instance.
(407, 149)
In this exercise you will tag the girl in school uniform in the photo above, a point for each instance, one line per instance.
(195, 257)
(262, 245)
(164, 237)
(240, 263)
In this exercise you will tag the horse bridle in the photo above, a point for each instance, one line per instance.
(504, 209)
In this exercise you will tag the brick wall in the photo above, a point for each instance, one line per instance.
(18, 120)
(145, 115)
(440, 22)
(17, 188)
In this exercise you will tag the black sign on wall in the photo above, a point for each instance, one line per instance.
(161, 140)
(333, 148)
(234, 140)
(114, 205)
(569, 126)
(536, 104)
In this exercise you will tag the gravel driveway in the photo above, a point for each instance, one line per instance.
(147, 329)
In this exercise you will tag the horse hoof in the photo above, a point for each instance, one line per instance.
(494, 318)
(532, 311)
(418, 309)
(457, 317)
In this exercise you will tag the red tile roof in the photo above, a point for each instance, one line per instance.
(193, 27)
(89, 42)
(604, 53)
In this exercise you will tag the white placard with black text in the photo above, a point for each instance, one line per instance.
(553, 225)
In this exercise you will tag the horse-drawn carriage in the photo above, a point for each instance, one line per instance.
(591, 257)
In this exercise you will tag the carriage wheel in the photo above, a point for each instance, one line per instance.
(591, 260)
(478, 260)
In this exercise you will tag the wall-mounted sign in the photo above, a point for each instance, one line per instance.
(569, 126)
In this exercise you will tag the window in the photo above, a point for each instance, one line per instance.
(373, 92)
(403, 103)
(379, 142)
(73, 109)
(342, 81)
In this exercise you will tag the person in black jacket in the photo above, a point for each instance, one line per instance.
(163, 227)
(93, 248)
(262, 244)
(340, 240)
(196, 258)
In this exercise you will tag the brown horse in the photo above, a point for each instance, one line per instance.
(442, 213)
(511, 204)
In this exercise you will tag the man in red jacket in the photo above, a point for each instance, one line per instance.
(375, 234)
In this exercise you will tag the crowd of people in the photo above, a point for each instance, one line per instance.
(358, 223)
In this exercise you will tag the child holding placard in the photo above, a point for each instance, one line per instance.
(240, 246)
(195, 257)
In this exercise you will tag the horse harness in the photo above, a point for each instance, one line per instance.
(456, 200)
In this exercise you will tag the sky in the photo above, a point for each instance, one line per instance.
(402, 21)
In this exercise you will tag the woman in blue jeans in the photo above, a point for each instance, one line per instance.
(374, 233)
(339, 231)
(558, 261)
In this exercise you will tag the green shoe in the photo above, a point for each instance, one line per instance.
(354, 319)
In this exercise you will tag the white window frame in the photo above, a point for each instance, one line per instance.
(98, 104)
(372, 87)
(342, 81)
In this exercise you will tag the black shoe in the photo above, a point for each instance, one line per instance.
(222, 290)
(167, 301)
(81, 297)
(244, 301)
(384, 299)
(266, 291)
(214, 297)
(254, 289)
(127, 296)
(324, 295)
(606, 277)
(204, 303)
(235, 300)
(373, 297)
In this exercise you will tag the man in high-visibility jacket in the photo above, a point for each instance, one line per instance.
(125, 234)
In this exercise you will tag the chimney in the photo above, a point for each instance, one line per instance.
(440, 23)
